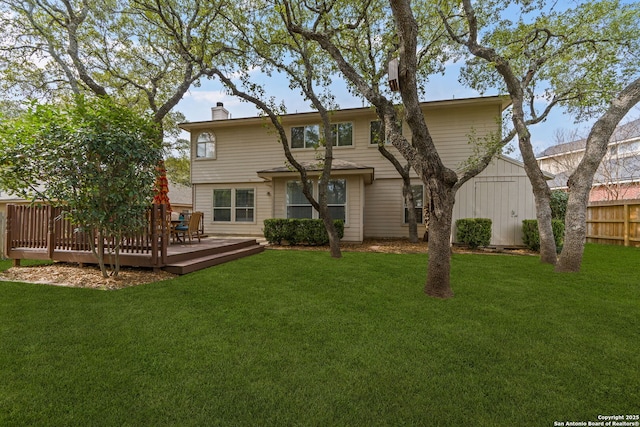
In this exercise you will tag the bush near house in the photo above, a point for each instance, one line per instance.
(531, 236)
(299, 231)
(559, 200)
(474, 232)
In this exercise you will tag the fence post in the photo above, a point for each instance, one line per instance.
(626, 224)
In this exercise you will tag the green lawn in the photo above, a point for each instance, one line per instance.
(297, 338)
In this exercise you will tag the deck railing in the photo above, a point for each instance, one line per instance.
(40, 230)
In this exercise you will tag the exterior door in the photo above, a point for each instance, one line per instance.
(498, 200)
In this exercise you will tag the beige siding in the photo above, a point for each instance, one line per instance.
(502, 193)
(384, 209)
(245, 146)
(263, 204)
(243, 149)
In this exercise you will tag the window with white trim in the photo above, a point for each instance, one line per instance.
(305, 136)
(297, 204)
(342, 134)
(299, 207)
(337, 198)
(418, 201)
(234, 205)
(222, 205)
(245, 204)
(206, 146)
(376, 133)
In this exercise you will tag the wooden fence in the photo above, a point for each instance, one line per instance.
(615, 222)
(44, 232)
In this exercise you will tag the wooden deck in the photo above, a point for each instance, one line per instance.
(183, 258)
(42, 233)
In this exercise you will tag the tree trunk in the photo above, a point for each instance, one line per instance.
(98, 250)
(439, 265)
(412, 220)
(541, 191)
(575, 227)
(581, 179)
(334, 239)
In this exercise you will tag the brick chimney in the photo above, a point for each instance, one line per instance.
(219, 112)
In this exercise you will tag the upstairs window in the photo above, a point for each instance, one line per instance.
(206, 146)
(376, 133)
(305, 136)
(342, 134)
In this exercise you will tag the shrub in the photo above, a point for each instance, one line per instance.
(299, 231)
(531, 235)
(474, 231)
(559, 200)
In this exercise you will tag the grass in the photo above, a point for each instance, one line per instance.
(298, 338)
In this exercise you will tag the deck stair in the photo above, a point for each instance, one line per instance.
(197, 258)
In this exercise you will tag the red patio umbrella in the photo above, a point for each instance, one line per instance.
(161, 187)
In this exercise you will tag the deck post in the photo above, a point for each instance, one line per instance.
(165, 235)
(50, 233)
(7, 232)
(154, 235)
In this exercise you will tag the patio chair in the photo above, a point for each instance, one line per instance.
(193, 227)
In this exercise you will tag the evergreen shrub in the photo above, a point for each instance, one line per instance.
(531, 235)
(299, 231)
(474, 232)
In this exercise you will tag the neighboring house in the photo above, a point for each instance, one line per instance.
(617, 178)
(180, 197)
(7, 198)
(240, 176)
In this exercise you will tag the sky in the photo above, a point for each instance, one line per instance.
(196, 104)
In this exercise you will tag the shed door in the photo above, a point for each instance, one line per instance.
(498, 200)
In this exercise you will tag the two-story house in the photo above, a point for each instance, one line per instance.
(617, 177)
(240, 176)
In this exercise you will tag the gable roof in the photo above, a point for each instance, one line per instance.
(624, 132)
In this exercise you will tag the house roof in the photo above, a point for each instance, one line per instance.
(7, 197)
(624, 132)
(617, 170)
(180, 194)
(501, 101)
(315, 168)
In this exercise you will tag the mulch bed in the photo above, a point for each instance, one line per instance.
(88, 276)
